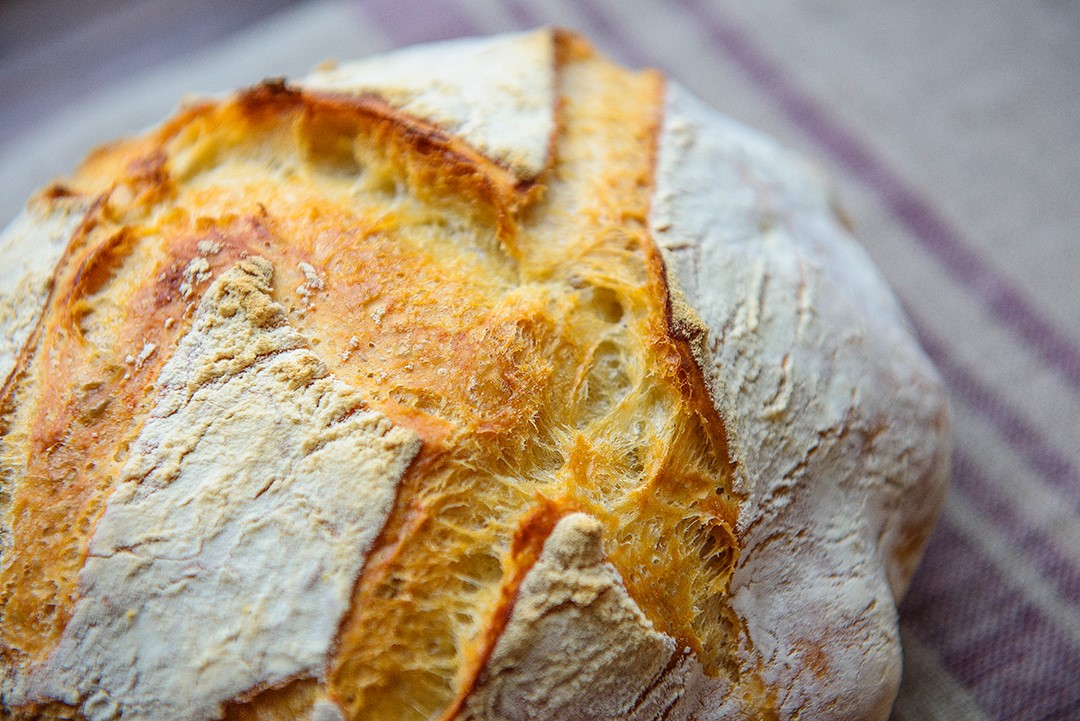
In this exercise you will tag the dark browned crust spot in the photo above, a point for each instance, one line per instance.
(57, 191)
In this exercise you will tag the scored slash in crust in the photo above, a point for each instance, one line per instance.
(483, 380)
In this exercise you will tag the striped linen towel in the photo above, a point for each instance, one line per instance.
(953, 132)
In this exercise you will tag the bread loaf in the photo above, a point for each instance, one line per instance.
(484, 380)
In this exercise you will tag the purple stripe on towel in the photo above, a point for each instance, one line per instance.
(622, 48)
(1058, 569)
(1015, 661)
(522, 14)
(1043, 458)
(956, 255)
(406, 22)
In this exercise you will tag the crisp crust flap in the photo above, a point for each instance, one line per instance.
(498, 94)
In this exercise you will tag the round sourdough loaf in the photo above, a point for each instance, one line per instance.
(482, 380)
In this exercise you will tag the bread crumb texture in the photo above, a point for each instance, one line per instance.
(485, 380)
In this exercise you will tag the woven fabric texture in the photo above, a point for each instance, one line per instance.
(952, 131)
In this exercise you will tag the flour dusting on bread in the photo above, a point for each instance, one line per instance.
(484, 380)
(253, 491)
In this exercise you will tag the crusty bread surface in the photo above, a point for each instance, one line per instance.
(482, 380)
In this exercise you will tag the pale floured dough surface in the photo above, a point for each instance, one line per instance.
(226, 556)
(836, 419)
(599, 456)
(578, 647)
(498, 94)
(30, 248)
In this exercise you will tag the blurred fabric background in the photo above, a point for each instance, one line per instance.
(952, 131)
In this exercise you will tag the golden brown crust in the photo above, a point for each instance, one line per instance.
(516, 317)
(479, 352)
(84, 394)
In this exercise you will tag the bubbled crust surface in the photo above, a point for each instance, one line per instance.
(474, 286)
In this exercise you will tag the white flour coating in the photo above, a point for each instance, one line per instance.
(312, 279)
(30, 248)
(578, 647)
(227, 554)
(197, 271)
(836, 420)
(325, 710)
(498, 94)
